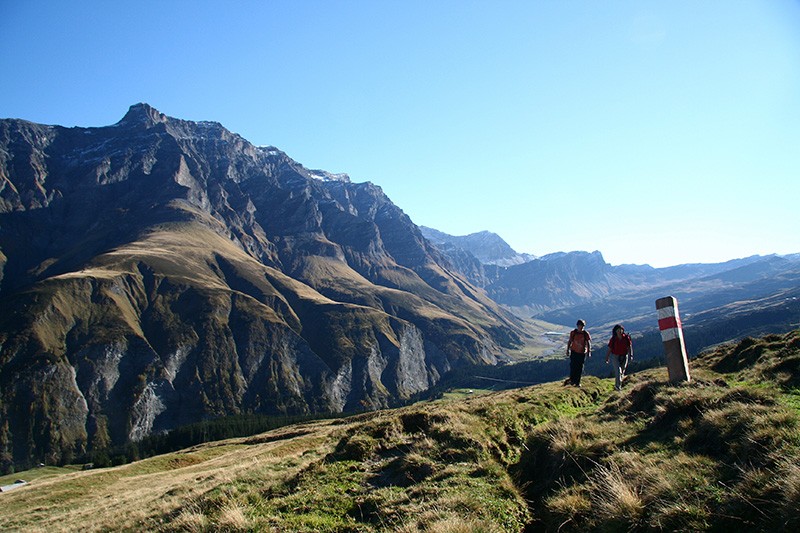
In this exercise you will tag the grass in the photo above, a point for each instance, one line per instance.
(463, 394)
(39, 473)
(721, 452)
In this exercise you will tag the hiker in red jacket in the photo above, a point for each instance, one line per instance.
(579, 347)
(621, 347)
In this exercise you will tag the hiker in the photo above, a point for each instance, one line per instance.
(579, 347)
(621, 347)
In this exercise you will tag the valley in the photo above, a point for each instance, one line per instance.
(160, 273)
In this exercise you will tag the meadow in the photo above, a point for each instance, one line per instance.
(721, 452)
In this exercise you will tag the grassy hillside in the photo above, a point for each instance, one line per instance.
(719, 453)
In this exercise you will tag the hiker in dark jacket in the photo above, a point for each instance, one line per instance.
(579, 347)
(620, 347)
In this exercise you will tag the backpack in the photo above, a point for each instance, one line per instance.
(575, 344)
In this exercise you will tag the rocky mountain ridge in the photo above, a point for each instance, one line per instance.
(560, 286)
(159, 271)
(487, 247)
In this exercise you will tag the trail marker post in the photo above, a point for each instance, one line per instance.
(669, 322)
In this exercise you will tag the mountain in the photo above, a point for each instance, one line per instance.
(158, 272)
(487, 247)
(561, 286)
(527, 284)
(549, 282)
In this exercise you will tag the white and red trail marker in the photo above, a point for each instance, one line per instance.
(669, 322)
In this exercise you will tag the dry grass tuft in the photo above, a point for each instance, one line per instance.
(191, 520)
(569, 503)
(232, 517)
(577, 442)
(615, 496)
(432, 523)
(789, 487)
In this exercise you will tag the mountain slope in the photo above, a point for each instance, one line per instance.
(720, 453)
(160, 271)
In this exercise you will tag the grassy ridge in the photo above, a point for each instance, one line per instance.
(719, 453)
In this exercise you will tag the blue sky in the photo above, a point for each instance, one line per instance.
(655, 132)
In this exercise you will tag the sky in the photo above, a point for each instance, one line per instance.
(658, 133)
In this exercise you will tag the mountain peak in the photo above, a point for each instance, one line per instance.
(488, 247)
(143, 114)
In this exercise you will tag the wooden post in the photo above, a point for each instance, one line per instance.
(669, 322)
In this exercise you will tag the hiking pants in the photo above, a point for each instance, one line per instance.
(576, 360)
(620, 363)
